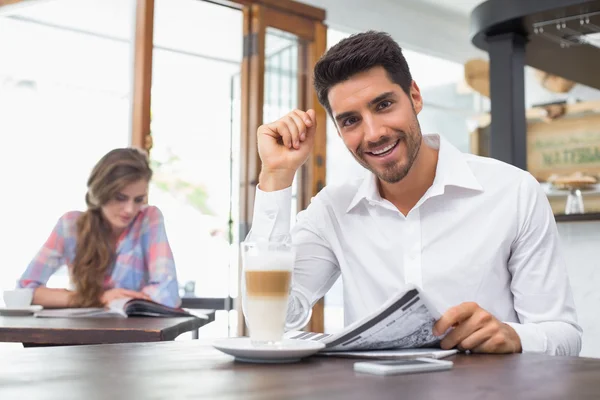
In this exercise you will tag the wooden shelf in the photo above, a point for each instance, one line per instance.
(577, 217)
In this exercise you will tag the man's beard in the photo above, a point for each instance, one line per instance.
(394, 171)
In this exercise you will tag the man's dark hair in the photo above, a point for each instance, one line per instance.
(359, 53)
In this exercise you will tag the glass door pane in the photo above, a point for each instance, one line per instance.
(281, 84)
(195, 128)
(65, 100)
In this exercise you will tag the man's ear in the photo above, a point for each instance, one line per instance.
(415, 97)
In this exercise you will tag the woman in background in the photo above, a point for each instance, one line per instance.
(117, 248)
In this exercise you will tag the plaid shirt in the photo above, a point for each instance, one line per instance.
(144, 261)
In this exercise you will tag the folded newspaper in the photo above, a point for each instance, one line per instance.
(403, 322)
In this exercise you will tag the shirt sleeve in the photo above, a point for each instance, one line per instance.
(540, 285)
(162, 285)
(315, 268)
(48, 259)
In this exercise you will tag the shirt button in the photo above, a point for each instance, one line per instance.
(271, 215)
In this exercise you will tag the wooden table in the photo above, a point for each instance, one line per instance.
(192, 369)
(78, 331)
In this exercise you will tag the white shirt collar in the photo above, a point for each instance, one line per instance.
(451, 170)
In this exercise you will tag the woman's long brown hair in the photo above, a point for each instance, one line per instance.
(94, 252)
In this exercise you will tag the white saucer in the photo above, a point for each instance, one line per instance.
(290, 350)
(20, 311)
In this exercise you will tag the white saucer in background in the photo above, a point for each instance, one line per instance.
(289, 350)
(20, 311)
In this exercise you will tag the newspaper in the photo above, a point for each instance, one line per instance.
(403, 322)
(392, 354)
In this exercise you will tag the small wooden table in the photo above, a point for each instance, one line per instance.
(79, 331)
(194, 370)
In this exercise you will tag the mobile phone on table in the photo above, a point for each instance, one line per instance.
(407, 366)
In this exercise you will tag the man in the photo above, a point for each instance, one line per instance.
(477, 235)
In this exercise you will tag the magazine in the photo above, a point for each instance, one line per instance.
(119, 308)
(403, 322)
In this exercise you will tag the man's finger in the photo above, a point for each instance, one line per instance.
(493, 344)
(305, 117)
(300, 125)
(458, 334)
(294, 130)
(270, 130)
(284, 132)
(476, 339)
(479, 319)
(313, 117)
(454, 316)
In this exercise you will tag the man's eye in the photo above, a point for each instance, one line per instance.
(120, 197)
(139, 200)
(384, 104)
(350, 121)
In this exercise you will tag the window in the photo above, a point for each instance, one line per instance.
(196, 128)
(65, 100)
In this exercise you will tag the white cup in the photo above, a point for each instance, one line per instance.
(18, 297)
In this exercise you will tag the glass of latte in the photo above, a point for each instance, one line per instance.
(267, 269)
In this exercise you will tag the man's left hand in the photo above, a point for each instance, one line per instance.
(476, 330)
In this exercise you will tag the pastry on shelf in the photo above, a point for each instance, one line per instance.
(577, 180)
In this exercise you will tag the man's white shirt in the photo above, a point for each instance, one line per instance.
(483, 232)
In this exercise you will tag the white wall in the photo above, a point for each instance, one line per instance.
(581, 247)
(416, 26)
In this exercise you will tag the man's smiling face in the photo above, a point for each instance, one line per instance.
(378, 122)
